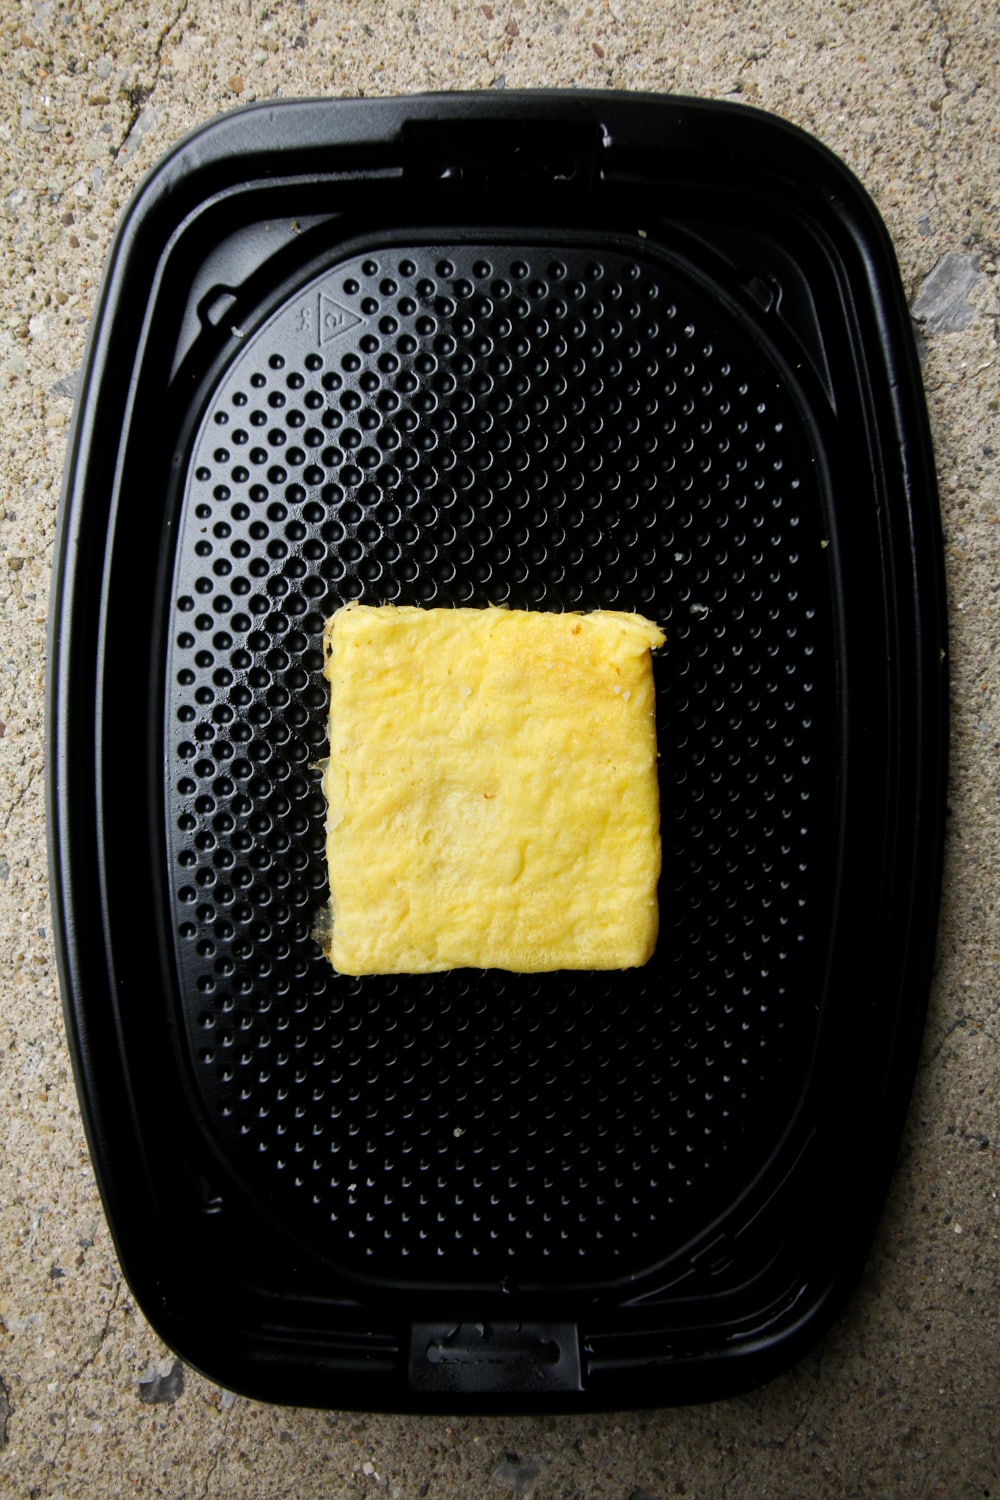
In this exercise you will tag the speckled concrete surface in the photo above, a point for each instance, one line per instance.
(903, 1397)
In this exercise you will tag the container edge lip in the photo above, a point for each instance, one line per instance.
(381, 119)
(276, 1372)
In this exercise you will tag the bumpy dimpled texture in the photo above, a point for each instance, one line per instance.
(549, 429)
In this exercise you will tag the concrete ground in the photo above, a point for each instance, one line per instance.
(903, 1396)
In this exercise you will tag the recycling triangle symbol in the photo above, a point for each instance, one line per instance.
(334, 319)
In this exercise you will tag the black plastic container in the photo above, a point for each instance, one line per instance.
(558, 351)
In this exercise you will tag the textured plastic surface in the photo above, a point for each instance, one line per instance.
(568, 356)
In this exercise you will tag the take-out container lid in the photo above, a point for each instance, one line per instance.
(554, 351)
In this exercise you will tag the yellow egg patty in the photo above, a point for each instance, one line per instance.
(492, 790)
